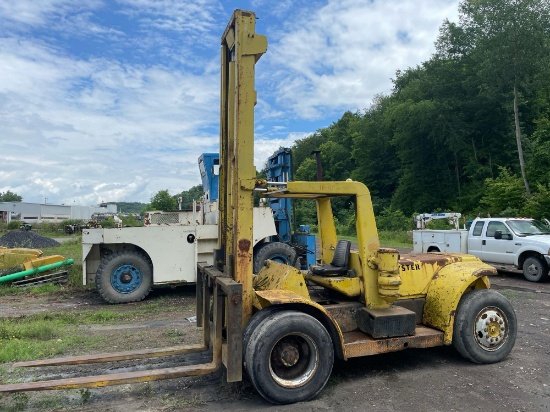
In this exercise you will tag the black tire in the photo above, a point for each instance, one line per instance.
(433, 249)
(535, 269)
(289, 357)
(485, 326)
(254, 321)
(277, 251)
(124, 276)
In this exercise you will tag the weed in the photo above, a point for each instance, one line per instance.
(49, 402)
(175, 402)
(102, 316)
(85, 395)
(174, 333)
(19, 402)
(147, 390)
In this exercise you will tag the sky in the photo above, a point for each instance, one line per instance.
(114, 100)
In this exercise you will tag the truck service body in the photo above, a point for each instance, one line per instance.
(505, 243)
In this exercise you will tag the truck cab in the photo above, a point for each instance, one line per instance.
(518, 242)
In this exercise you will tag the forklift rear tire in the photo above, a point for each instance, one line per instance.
(124, 276)
(276, 251)
(289, 357)
(485, 326)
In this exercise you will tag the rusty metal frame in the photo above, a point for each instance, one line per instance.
(211, 284)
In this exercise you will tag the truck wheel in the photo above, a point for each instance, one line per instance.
(534, 269)
(253, 323)
(289, 357)
(485, 326)
(124, 276)
(277, 251)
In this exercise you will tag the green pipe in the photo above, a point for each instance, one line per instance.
(40, 269)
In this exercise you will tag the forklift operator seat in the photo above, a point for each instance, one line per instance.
(339, 264)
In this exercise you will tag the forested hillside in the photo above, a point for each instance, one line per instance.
(467, 130)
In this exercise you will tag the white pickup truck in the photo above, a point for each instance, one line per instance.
(505, 243)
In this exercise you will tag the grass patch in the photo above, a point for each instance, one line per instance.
(69, 249)
(387, 238)
(18, 402)
(395, 238)
(49, 334)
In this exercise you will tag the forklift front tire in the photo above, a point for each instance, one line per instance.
(253, 323)
(289, 357)
(485, 326)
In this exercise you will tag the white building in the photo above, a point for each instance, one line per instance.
(36, 212)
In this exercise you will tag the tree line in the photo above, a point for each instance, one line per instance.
(467, 130)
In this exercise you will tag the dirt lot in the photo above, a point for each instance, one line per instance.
(413, 380)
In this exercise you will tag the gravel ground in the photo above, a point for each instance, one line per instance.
(26, 238)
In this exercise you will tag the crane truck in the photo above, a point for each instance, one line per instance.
(284, 327)
(125, 263)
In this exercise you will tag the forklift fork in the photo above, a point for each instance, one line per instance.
(211, 284)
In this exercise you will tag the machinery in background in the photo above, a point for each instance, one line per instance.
(127, 262)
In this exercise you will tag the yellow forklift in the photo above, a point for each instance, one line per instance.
(286, 326)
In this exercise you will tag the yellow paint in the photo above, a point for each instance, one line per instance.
(277, 276)
(45, 260)
(241, 49)
(350, 287)
(446, 289)
(14, 258)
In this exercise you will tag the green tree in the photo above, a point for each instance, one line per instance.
(10, 197)
(187, 197)
(163, 201)
(504, 195)
(508, 43)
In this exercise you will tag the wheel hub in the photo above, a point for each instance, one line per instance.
(293, 360)
(288, 354)
(126, 278)
(491, 329)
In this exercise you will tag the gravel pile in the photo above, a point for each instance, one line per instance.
(26, 238)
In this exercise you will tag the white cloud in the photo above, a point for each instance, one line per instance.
(349, 49)
(114, 100)
(39, 14)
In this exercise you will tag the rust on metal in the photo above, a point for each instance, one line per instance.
(359, 344)
(113, 357)
(244, 245)
(113, 379)
(485, 272)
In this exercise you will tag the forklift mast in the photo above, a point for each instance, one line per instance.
(241, 48)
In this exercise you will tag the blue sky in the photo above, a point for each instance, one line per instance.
(114, 100)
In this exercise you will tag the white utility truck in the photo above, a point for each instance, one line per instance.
(505, 243)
